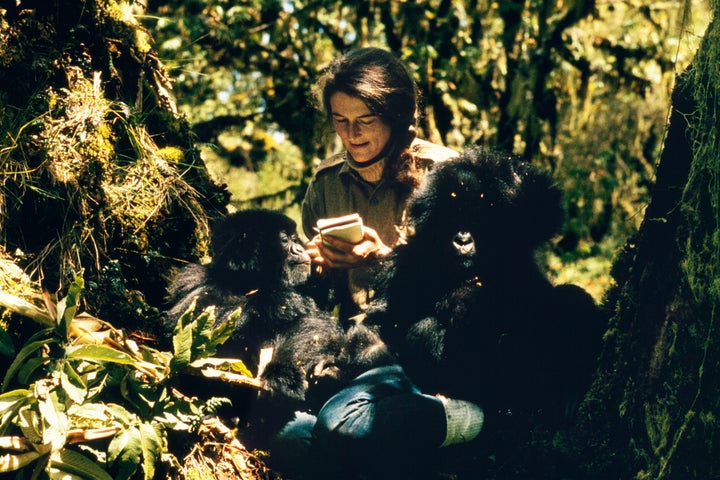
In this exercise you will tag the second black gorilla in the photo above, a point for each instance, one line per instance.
(472, 316)
(255, 281)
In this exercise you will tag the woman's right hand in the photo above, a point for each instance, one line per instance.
(340, 254)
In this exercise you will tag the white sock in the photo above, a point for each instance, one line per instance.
(464, 420)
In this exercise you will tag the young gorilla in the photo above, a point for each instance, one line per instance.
(257, 268)
(469, 312)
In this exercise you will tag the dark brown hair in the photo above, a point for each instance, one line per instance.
(382, 82)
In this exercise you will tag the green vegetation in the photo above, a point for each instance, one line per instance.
(581, 88)
(120, 121)
(82, 398)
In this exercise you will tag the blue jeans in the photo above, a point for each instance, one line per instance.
(379, 426)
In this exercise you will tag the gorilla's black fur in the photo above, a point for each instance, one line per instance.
(257, 264)
(465, 305)
(255, 280)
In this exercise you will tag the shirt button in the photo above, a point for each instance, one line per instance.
(374, 202)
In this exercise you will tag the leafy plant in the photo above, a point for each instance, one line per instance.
(83, 399)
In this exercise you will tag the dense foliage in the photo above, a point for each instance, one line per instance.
(580, 87)
(83, 399)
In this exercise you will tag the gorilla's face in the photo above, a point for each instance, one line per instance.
(465, 219)
(478, 212)
(297, 266)
(259, 249)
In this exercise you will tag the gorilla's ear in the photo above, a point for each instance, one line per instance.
(539, 203)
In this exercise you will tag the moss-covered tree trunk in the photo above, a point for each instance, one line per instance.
(654, 409)
(98, 170)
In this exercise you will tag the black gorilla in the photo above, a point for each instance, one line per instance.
(255, 280)
(257, 264)
(465, 305)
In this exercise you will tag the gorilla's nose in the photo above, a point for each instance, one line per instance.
(464, 243)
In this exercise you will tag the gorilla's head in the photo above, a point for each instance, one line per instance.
(258, 248)
(482, 208)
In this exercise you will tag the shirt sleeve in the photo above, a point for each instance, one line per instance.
(309, 211)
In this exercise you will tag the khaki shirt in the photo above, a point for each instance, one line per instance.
(336, 189)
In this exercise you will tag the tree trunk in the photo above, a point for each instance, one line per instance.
(652, 412)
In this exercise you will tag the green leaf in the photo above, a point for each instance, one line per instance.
(73, 384)
(99, 353)
(70, 302)
(8, 400)
(120, 413)
(11, 462)
(29, 420)
(204, 326)
(75, 463)
(151, 448)
(125, 450)
(187, 317)
(27, 350)
(222, 333)
(224, 364)
(54, 422)
(27, 370)
(182, 347)
(6, 344)
(67, 307)
(95, 414)
(10, 403)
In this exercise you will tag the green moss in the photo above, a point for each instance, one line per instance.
(171, 154)
(658, 425)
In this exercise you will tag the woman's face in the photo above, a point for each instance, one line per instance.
(363, 133)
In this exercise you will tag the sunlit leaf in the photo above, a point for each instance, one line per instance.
(73, 384)
(11, 462)
(204, 327)
(221, 333)
(223, 364)
(78, 464)
(151, 449)
(99, 353)
(55, 423)
(125, 450)
(120, 413)
(29, 422)
(182, 347)
(93, 413)
(10, 404)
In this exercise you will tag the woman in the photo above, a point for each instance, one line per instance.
(380, 425)
(372, 102)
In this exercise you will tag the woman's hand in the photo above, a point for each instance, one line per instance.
(340, 254)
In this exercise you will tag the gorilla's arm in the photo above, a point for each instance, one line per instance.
(298, 352)
(317, 358)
